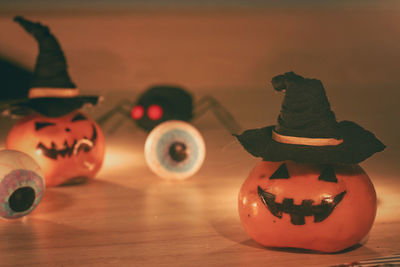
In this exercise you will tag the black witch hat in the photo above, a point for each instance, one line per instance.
(51, 92)
(307, 130)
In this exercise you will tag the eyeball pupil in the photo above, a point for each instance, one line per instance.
(178, 152)
(22, 199)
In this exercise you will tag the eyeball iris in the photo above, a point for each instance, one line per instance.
(174, 150)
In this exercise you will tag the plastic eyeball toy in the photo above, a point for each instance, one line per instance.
(175, 150)
(21, 184)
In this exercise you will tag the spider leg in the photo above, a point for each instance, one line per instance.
(120, 108)
(222, 114)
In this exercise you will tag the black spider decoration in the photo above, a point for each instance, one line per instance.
(163, 103)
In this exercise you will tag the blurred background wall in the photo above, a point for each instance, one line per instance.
(230, 49)
(127, 45)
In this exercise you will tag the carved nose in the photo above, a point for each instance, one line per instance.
(67, 129)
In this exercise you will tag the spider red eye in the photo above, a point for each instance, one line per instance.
(155, 112)
(137, 112)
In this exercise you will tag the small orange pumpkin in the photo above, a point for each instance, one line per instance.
(67, 147)
(318, 207)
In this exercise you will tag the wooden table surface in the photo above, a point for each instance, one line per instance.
(127, 216)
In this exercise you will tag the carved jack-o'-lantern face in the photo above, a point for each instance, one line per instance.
(65, 147)
(319, 207)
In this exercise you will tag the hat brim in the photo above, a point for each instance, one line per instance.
(57, 107)
(358, 144)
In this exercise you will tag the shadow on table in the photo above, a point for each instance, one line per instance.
(237, 234)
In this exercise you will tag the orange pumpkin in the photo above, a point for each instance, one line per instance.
(318, 207)
(66, 148)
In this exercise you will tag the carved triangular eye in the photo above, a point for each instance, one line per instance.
(328, 175)
(281, 173)
(40, 125)
(79, 117)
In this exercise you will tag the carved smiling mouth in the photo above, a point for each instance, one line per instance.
(298, 212)
(83, 144)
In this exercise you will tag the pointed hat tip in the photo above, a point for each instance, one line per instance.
(18, 18)
(280, 82)
(23, 22)
(35, 28)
